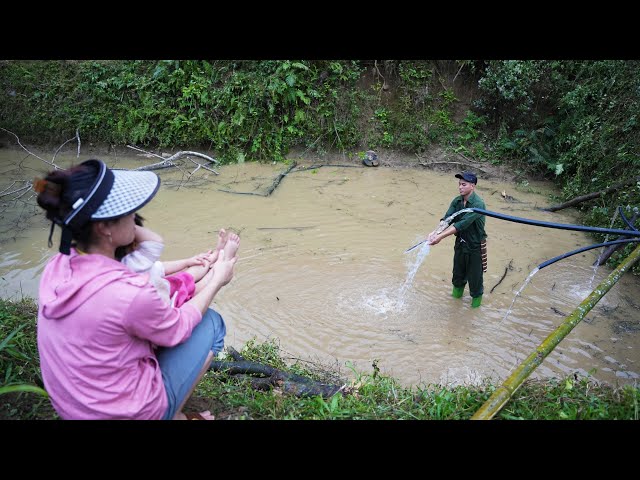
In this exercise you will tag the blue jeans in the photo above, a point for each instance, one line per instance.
(180, 365)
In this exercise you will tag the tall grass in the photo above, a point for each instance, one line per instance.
(21, 392)
(364, 396)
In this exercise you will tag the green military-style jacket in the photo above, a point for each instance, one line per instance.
(469, 225)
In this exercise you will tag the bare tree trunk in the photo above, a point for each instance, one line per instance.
(602, 259)
(272, 377)
(591, 196)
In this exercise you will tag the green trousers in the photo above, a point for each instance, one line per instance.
(467, 267)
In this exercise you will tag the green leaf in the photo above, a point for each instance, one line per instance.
(6, 341)
(17, 354)
(334, 402)
(300, 94)
(238, 118)
(23, 388)
(290, 79)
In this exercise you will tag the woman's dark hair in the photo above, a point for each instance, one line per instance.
(139, 219)
(60, 189)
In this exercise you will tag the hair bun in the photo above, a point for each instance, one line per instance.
(40, 185)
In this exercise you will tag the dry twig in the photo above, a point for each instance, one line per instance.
(30, 153)
(60, 147)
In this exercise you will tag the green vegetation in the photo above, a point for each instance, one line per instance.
(367, 395)
(373, 396)
(574, 122)
(21, 393)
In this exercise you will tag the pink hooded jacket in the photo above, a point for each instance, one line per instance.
(97, 321)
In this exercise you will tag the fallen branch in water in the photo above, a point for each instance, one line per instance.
(169, 162)
(31, 153)
(60, 147)
(279, 178)
(276, 182)
(242, 193)
(313, 167)
(16, 195)
(507, 268)
(23, 189)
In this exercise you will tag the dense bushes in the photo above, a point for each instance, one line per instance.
(256, 110)
(575, 122)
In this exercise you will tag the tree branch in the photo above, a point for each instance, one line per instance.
(169, 162)
(276, 182)
(60, 147)
(26, 187)
(30, 153)
(503, 275)
(591, 196)
(289, 382)
(475, 167)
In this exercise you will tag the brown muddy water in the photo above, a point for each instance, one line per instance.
(322, 269)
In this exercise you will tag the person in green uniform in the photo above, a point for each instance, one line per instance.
(469, 257)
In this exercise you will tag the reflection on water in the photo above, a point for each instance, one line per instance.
(322, 268)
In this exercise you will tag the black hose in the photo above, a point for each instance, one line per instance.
(584, 249)
(562, 226)
(629, 224)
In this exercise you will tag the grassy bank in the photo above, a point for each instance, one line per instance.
(366, 395)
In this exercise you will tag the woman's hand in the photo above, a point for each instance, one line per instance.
(223, 269)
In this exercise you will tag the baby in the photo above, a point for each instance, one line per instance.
(176, 281)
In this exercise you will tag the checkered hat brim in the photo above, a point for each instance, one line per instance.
(130, 192)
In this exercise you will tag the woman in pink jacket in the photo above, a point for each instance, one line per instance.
(98, 321)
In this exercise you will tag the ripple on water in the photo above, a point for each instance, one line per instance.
(383, 303)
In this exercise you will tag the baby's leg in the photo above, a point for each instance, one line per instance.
(198, 271)
(230, 245)
(205, 279)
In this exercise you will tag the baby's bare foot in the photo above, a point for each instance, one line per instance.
(222, 239)
(233, 243)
